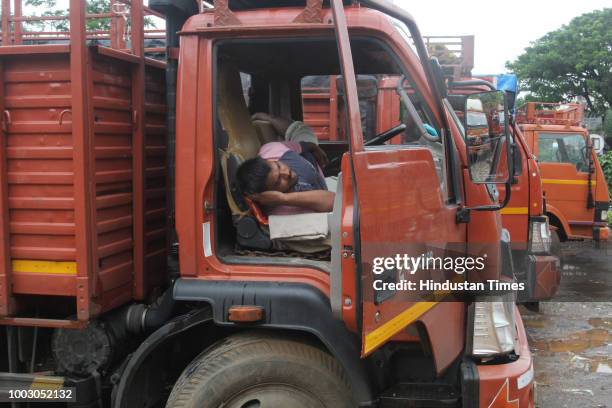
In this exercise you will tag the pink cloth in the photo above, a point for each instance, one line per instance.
(275, 150)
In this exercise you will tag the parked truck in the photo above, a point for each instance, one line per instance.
(525, 215)
(88, 300)
(576, 190)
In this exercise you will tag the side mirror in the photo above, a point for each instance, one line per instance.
(487, 139)
(597, 143)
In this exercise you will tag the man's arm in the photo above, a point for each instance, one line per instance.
(315, 200)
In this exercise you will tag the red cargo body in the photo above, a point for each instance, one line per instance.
(82, 181)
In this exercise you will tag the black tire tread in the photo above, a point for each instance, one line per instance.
(232, 349)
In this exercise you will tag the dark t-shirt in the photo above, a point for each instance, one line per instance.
(304, 165)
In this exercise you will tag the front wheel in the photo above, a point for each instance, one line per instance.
(257, 370)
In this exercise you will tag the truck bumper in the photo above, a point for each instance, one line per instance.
(542, 278)
(540, 273)
(509, 385)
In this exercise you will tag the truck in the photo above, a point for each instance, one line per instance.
(577, 197)
(525, 215)
(227, 320)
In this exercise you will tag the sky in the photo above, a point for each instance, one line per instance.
(503, 29)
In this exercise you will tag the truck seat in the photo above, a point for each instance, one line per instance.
(242, 144)
(241, 140)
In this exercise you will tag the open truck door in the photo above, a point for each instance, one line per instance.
(400, 208)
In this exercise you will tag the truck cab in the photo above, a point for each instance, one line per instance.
(575, 188)
(525, 215)
(243, 323)
(412, 195)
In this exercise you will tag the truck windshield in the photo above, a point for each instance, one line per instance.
(477, 119)
(563, 148)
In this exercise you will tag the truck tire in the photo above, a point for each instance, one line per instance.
(257, 370)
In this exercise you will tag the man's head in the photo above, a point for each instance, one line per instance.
(257, 175)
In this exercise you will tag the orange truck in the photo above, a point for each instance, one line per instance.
(525, 215)
(87, 300)
(576, 191)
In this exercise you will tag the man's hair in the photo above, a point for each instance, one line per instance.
(251, 175)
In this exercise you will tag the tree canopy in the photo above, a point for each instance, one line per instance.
(50, 9)
(444, 55)
(575, 60)
(93, 7)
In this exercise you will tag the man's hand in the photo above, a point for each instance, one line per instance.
(269, 198)
(317, 152)
(279, 124)
(262, 116)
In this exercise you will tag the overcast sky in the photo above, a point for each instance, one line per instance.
(502, 28)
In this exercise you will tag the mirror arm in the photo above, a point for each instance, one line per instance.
(472, 82)
(412, 111)
(498, 207)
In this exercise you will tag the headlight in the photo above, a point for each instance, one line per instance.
(604, 215)
(494, 326)
(540, 238)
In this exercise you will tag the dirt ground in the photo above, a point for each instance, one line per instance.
(571, 337)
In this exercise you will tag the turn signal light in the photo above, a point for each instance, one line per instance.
(245, 314)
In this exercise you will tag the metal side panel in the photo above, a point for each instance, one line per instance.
(39, 179)
(112, 144)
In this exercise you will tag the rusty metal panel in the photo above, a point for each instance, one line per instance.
(6, 297)
(156, 178)
(40, 172)
(39, 148)
(82, 180)
(112, 144)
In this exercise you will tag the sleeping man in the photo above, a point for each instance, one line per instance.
(286, 177)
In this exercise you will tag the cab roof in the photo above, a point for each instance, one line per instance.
(237, 5)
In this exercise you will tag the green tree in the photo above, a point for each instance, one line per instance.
(51, 9)
(444, 55)
(575, 60)
(607, 124)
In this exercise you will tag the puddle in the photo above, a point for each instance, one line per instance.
(536, 321)
(579, 391)
(600, 322)
(604, 368)
(576, 342)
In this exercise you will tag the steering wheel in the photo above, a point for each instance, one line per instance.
(375, 141)
(386, 135)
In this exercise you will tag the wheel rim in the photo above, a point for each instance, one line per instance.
(272, 396)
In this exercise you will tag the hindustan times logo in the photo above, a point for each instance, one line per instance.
(412, 264)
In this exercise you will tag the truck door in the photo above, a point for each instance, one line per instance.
(565, 176)
(400, 208)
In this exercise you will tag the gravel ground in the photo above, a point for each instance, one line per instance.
(571, 337)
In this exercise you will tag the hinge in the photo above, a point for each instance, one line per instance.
(463, 216)
(208, 207)
(347, 252)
